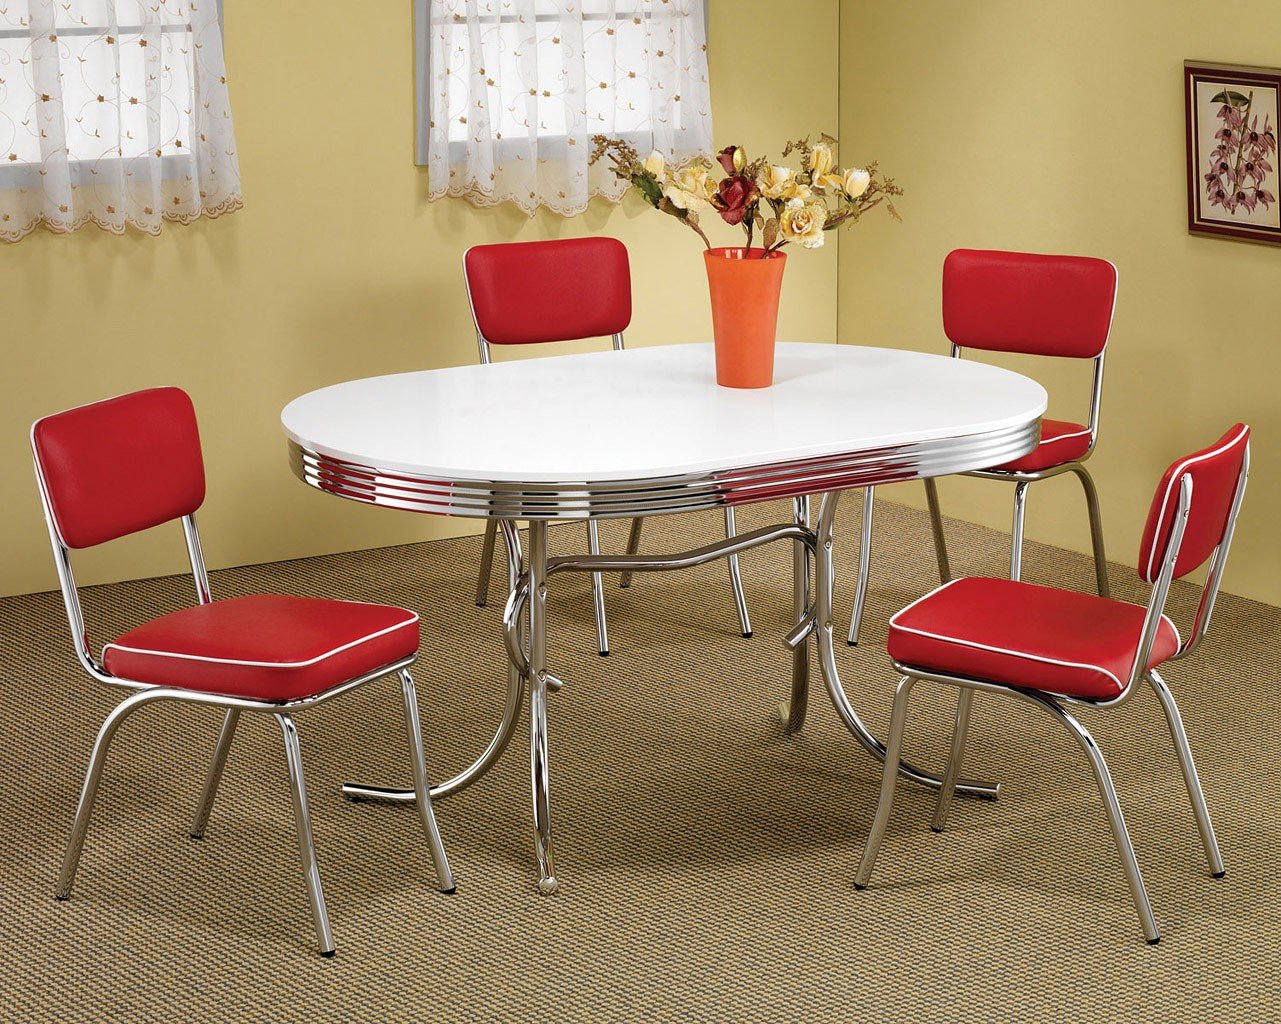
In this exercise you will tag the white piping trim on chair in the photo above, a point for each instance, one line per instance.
(411, 621)
(1001, 650)
(1175, 477)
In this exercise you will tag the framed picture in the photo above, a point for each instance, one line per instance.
(1232, 151)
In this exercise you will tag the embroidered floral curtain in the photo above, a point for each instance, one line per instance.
(113, 112)
(511, 92)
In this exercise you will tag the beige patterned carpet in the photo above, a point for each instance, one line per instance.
(705, 859)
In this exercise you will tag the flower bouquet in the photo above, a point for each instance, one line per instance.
(777, 203)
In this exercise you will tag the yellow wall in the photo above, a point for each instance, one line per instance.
(1058, 127)
(337, 268)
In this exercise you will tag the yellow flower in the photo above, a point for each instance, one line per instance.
(854, 182)
(803, 222)
(822, 160)
(690, 187)
(774, 182)
(655, 164)
(781, 183)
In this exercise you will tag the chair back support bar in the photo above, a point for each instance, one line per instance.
(524, 293)
(114, 468)
(1192, 521)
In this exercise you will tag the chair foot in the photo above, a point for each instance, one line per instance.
(1218, 874)
(747, 635)
(329, 954)
(936, 830)
(603, 654)
(859, 888)
(1153, 942)
(61, 899)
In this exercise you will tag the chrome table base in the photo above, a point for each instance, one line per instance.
(525, 635)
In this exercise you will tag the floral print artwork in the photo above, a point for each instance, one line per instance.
(1232, 126)
(1242, 161)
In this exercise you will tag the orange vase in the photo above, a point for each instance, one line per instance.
(745, 285)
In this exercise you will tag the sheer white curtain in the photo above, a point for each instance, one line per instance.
(113, 112)
(511, 92)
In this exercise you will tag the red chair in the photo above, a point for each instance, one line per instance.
(127, 464)
(1034, 305)
(1058, 648)
(525, 293)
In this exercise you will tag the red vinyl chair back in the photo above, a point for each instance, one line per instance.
(527, 292)
(1020, 302)
(120, 466)
(1216, 474)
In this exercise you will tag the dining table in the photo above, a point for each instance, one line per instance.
(644, 432)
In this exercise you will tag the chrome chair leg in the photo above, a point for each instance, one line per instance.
(538, 770)
(306, 845)
(89, 792)
(893, 752)
(1116, 820)
(1096, 529)
(964, 702)
(214, 777)
(1190, 777)
(422, 786)
(1016, 534)
(936, 525)
(864, 565)
(633, 545)
(736, 575)
(598, 590)
(486, 562)
(797, 705)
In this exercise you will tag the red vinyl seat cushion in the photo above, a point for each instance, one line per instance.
(1060, 442)
(1026, 636)
(264, 647)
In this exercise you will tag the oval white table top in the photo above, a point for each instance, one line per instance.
(648, 413)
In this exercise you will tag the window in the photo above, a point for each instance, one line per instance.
(108, 110)
(511, 91)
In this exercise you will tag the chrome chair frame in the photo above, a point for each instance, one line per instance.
(593, 530)
(1021, 481)
(1057, 707)
(284, 712)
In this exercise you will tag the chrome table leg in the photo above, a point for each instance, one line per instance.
(538, 772)
(824, 577)
(798, 704)
(633, 545)
(864, 565)
(486, 563)
(506, 726)
(598, 590)
(306, 844)
(214, 777)
(936, 525)
(736, 576)
(1016, 534)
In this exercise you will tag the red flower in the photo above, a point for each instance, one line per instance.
(726, 159)
(735, 197)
